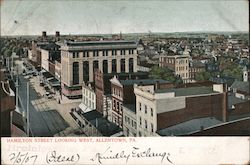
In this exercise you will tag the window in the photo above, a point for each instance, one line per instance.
(131, 51)
(114, 104)
(140, 120)
(85, 54)
(75, 54)
(140, 133)
(146, 109)
(105, 53)
(146, 124)
(152, 127)
(123, 51)
(117, 105)
(140, 106)
(95, 53)
(114, 52)
(152, 112)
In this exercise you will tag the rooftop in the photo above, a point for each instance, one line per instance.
(130, 107)
(105, 127)
(189, 127)
(188, 91)
(92, 115)
(241, 86)
(95, 43)
(143, 81)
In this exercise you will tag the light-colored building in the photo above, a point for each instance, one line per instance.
(158, 109)
(178, 63)
(45, 59)
(80, 59)
(88, 102)
(129, 120)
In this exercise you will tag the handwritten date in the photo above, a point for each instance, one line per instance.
(19, 158)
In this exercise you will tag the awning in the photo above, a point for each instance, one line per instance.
(84, 108)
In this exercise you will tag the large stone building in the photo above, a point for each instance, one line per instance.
(158, 109)
(80, 59)
(178, 63)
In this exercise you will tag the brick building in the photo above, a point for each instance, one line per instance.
(122, 92)
(162, 108)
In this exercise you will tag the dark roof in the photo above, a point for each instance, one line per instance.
(142, 81)
(187, 91)
(92, 115)
(189, 127)
(47, 75)
(95, 43)
(223, 80)
(17, 120)
(130, 107)
(50, 46)
(232, 100)
(105, 127)
(241, 86)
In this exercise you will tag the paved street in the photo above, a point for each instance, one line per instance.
(47, 117)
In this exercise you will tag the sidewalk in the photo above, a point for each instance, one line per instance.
(63, 109)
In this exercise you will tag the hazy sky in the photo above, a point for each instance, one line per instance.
(89, 17)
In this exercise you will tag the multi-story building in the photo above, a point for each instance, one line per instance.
(129, 120)
(178, 63)
(103, 89)
(123, 93)
(88, 102)
(157, 109)
(80, 59)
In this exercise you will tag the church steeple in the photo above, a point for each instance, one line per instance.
(245, 74)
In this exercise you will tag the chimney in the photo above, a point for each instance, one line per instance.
(57, 34)
(157, 85)
(44, 34)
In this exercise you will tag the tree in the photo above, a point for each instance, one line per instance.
(202, 76)
(165, 74)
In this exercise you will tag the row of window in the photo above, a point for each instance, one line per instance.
(96, 53)
(130, 122)
(88, 102)
(146, 124)
(117, 92)
(117, 106)
(181, 68)
(146, 109)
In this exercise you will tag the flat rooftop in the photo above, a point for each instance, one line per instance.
(95, 43)
(143, 81)
(188, 91)
(189, 127)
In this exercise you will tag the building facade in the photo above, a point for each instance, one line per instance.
(80, 59)
(88, 98)
(159, 109)
(129, 120)
(178, 63)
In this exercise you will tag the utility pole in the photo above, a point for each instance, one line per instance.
(27, 117)
(17, 89)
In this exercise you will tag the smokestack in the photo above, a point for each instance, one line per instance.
(57, 34)
(44, 34)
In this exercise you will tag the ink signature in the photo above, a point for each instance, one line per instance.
(135, 153)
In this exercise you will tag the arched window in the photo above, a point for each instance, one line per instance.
(131, 64)
(75, 73)
(122, 65)
(85, 71)
(114, 66)
(95, 65)
(105, 66)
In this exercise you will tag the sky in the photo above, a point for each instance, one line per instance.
(31, 17)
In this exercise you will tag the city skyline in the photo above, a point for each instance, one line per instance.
(81, 17)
